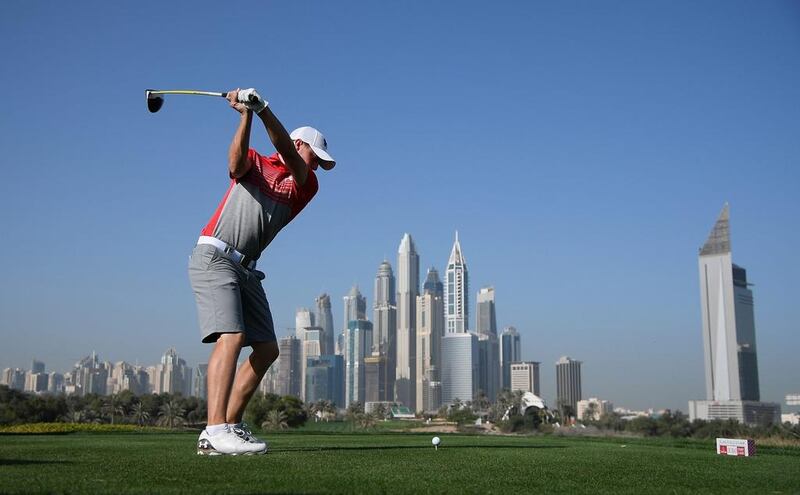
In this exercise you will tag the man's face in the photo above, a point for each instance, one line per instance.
(307, 154)
(311, 158)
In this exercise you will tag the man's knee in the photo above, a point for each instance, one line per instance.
(265, 353)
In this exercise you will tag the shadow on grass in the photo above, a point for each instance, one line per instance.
(417, 447)
(27, 462)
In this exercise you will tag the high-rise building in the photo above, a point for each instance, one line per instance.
(407, 292)
(288, 367)
(510, 352)
(173, 375)
(35, 382)
(88, 376)
(486, 316)
(325, 379)
(376, 379)
(358, 344)
(525, 377)
(430, 329)
(303, 318)
(384, 335)
(14, 378)
(456, 292)
(568, 383)
(729, 336)
(459, 367)
(324, 317)
(488, 346)
(355, 308)
(37, 366)
(125, 376)
(200, 382)
(55, 383)
(312, 349)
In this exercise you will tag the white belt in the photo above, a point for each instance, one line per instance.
(229, 251)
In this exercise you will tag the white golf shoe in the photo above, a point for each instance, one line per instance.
(227, 442)
(243, 432)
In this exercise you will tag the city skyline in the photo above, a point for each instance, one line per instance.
(581, 154)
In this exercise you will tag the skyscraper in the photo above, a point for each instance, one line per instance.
(288, 365)
(355, 308)
(488, 345)
(525, 377)
(456, 292)
(358, 343)
(324, 317)
(459, 367)
(510, 352)
(384, 335)
(407, 292)
(325, 379)
(430, 328)
(173, 375)
(376, 379)
(486, 317)
(303, 319)
(568, 383)
(729, 335)
(200, 384)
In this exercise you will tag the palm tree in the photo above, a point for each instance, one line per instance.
(74, 415)
(113, 406)
(366, 421)
(139, 414)
(276, 420)
(170, 414)
(329, 410)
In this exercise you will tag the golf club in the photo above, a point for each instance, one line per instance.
(155, 100)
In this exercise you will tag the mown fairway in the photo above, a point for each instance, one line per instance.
(387, 463)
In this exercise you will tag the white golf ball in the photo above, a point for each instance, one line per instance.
(436, 441)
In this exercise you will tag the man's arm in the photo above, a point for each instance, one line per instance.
(284, 145)
(238, 164)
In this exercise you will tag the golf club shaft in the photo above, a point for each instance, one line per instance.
(186, 92)
(193, 92)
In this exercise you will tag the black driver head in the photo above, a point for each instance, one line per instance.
(154, 102)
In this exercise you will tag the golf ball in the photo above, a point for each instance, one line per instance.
(436, 441)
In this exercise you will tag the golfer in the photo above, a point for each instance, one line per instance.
(265, 194)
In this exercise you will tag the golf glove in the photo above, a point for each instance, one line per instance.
(252, 100)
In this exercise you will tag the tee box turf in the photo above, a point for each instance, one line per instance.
(736, 446)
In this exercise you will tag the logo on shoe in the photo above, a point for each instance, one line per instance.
(204, 444)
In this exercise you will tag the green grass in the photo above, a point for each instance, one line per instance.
(329, 462)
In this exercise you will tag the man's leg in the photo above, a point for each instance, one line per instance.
(221, 371)
(248, 377)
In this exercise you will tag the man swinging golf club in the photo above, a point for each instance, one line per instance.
(265, 194)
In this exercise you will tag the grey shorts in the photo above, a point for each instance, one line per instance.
(230, 298)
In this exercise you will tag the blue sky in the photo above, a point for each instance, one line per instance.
(582, 150)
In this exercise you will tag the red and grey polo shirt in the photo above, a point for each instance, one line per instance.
(259, 204)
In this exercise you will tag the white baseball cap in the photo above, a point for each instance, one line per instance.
(316, 140)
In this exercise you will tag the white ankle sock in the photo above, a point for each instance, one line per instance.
(214, 429)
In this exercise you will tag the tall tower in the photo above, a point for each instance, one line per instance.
(303, 320)
(729, 333)
(510, 352)
(384, 340)
(488, 346)
(355, 308)
(358, 342)
(568, 383)
(486, 318)
(407, 292)
(324, 318)
(456, 292)
(430, 328)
